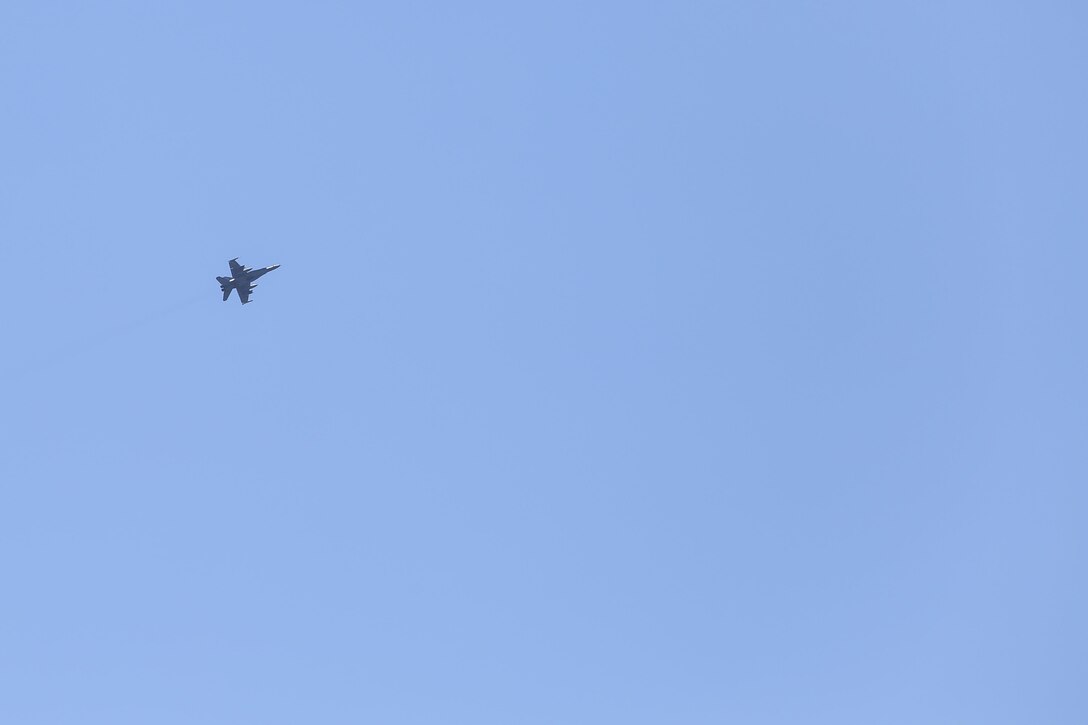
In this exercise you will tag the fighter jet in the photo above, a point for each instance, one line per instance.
(241, 278)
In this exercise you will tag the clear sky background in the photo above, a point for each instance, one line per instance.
(630, 362)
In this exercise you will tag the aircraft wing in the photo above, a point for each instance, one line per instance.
(235, 268)
(243, 294)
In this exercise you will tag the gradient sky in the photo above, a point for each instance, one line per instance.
(630, 362)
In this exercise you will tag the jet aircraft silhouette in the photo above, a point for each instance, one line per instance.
(241, 278)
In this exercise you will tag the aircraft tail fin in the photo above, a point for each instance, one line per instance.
(226, 293)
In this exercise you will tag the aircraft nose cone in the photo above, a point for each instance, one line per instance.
(274, 266)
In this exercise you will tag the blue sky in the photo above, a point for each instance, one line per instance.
(629, 362)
